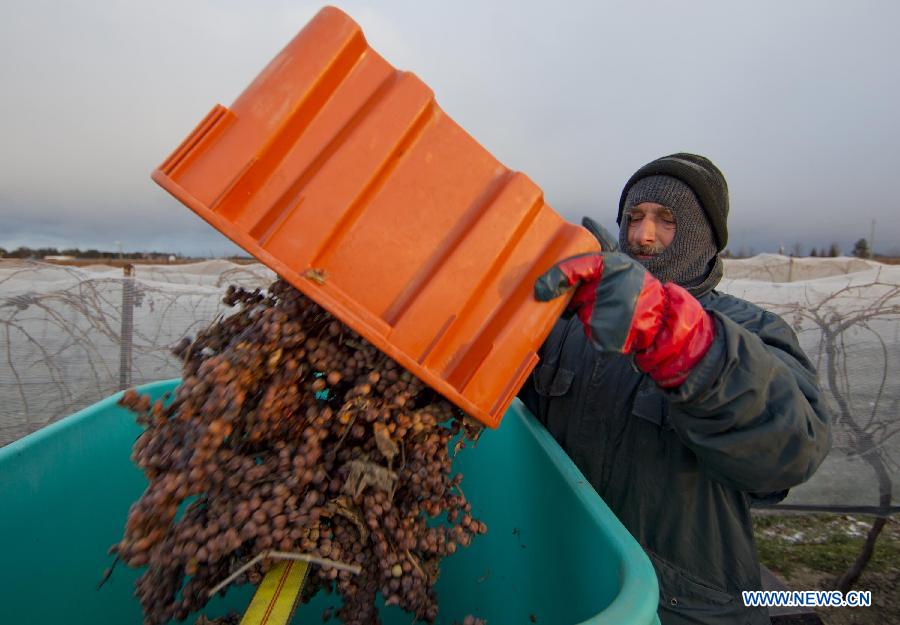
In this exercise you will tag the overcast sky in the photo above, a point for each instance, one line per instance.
(797, 102)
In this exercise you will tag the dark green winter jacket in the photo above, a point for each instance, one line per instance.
(682, 468)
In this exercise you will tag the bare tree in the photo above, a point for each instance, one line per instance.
(65, 334)
(843, 318)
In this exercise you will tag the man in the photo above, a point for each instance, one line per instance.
(682, 406)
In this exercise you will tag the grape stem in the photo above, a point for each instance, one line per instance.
(415, 563)
(284, 555)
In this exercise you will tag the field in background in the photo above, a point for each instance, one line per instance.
(71, 335)
(121, 262)
(808, 552)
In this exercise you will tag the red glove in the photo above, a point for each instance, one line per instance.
(625, 309)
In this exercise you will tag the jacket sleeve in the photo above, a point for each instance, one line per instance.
(752, 409)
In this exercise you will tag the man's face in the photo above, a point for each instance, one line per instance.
(651, 228)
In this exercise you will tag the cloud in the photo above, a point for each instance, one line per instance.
(795, 101)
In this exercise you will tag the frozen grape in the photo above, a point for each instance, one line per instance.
(291, 432)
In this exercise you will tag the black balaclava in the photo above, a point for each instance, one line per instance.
(696, 193)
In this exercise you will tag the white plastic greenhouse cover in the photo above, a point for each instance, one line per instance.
(65, 344)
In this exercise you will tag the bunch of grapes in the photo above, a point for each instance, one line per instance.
(290, 432)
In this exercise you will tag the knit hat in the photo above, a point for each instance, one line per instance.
(690, 259)
(704, 179)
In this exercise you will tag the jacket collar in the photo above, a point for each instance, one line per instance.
(709, 283)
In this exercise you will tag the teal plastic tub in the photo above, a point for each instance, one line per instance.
(554, 553)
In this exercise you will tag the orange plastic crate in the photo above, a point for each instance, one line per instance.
(344, 176)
